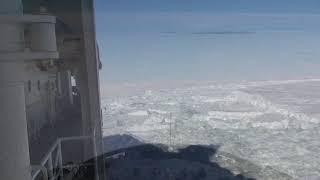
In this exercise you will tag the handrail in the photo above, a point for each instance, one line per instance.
(39, 169)
(52, 168)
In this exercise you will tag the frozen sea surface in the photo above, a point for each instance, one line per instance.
(270, 123)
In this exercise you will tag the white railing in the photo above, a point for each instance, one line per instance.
(51, 166)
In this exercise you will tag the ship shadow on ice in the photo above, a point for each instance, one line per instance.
(120, 141)
(127, 157)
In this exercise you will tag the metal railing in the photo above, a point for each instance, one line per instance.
(51, 166)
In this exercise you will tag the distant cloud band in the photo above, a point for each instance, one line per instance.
(213, 32)
(222, 32)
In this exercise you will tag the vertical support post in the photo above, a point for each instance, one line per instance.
(90, 68)
(14, 151)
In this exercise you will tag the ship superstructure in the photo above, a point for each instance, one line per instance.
(49, 92)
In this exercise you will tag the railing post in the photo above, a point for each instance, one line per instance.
(50, 167)
(60, 163)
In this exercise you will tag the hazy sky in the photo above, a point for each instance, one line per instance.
(159, 40)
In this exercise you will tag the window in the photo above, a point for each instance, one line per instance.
(29, 86)
(39, 85)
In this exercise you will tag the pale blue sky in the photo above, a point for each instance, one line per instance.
(159, 40)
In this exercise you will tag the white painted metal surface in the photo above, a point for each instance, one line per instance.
(43, 43)
(43, 37)
(14, 151)
(26, 19)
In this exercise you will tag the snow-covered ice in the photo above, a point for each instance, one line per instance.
(270, 123)
(138, 113)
